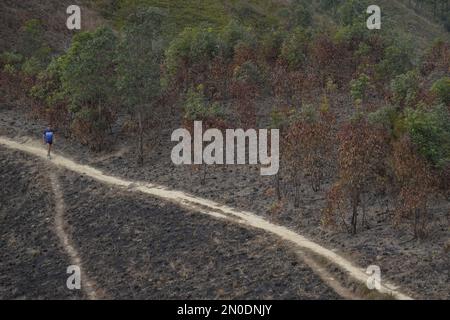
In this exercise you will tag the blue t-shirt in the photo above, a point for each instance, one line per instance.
(48, 135)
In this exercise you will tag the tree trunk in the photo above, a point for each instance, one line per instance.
(277, 186)
(355, 202)
(140, 140)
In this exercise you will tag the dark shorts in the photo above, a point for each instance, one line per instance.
(49, 142)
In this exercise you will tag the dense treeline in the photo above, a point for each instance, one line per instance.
(440, 9)
(361, 118)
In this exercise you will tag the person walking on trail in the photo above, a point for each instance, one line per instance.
(48, 139)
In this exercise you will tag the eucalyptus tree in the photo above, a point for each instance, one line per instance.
(139, 74)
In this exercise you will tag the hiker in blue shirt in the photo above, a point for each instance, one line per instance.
(48, 139)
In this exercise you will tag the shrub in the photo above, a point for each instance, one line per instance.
(32, 67)
(197, 108)
(299, 15)
(233, 34)
(11, 58)
(359, 86)
(295, 48)
(352, 11)
(31, 38)
(429, 130)
(405, 88)
(385, 117)
(441, 88)
(192, 46)
(396, 59)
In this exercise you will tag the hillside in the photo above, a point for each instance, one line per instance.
(159, 110)
(264, 13)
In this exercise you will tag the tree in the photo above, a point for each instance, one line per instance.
(188, 56)
(396, 59)
(429, 130)
(138, 70)
(299, 15)
(309, 145)
(362, 158)
(33, 47)
(295, 48)
(352, 11)
(405, 88)
(359, 88)
(50, 98)
(441, 89)
(88, 79)
(416, 185)
(198, 108)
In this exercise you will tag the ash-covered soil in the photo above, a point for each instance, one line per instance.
(133, 246)
(138, 247)
(421, 268)
(32, 262)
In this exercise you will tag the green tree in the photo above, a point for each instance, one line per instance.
(190, 53)
(441, 88)
(429, 129)
(295, 48)
(139, 58)
(352, 11)
(359, 87)
(88, 79)
(396, 59)
(405, 88)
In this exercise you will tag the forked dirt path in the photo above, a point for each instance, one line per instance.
(88, 287)
(216, 210)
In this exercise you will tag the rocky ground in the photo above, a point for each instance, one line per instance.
(421, 268)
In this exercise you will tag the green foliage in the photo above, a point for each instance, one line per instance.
(430, 132)
(198, 108)
(183, 14)
(279, 119)
(33, 53)
(385, 117)
(233, 34)
(139, 57)
(36, 63)
(405, 88)
(309, 113)
(441, 88)
(88, 75)
(272, 42)
(11, 58)
(193, 45)
(9, 69)
(299, 15)
(352, 12)
(446, 20)
(396, 59)
(31, 38)
(328, 5)
(249, 72)
(32, 67)
(295, 48)
(48, 87)
(359, 86)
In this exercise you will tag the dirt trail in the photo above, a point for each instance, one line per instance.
(211, 208)
(86, 284)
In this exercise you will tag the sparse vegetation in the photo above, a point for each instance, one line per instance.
(355, 108)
